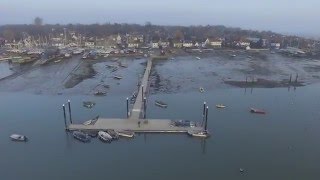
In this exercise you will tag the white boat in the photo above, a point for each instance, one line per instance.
(200, 133)
(107, 55)
(233, 55)
(56, 61)
(201, 89)
(220, 106)
(198, 58)
(161, 104)
(89, 122)
(67, 55)
(104, 136)
(125, 133)
(18, 137)
(117, 77)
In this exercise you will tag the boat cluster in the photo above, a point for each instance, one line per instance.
(105, 136)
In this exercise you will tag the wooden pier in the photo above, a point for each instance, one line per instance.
(135, 122)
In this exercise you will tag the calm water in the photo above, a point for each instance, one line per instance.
(283, 144)
(280, 145)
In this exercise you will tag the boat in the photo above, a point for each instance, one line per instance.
(56, 61)
(81, 136)
(67, 55)
(220, 106)
(125, 133)
(85, 55)
(198, 133)
(91, 121)
(100, 93)
(257, 111)
(201, 89)
(18, 137)
(104, 136)
(172, 58)
(113, 134)
(117, 77)
(161, 104)
(198, 58)
(107, 55)
(233, 55)
(89, 104)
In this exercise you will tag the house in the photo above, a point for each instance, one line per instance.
(275, 45)
(133, 43)
(136, 37)
(164, 44)
(154, 44)
(118, 39)
(177, 44)
(89, 44)
(2, 41)
(187, 44)
(213, 42)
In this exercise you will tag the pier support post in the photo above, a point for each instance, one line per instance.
(70, 117)
(246, 79)
(206, 123)
(203, 112)
(64, 116)
(297, 78)
(127, 107)
(144, 108)
(142, 92)
(290, 78)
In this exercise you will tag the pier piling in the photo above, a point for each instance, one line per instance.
(205, 125)
(70, 117)
(297, 78)
(144, 108)
(142, 92)
(246, 79)
(127, 107)
(290, 78)
(64, 116)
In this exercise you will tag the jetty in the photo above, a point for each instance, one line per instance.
(136, 120)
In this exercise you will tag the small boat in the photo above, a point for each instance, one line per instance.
(56, 61)
(18, 137)
(89, 104)
(125, 133)
(233, 55)
(104, 136)
(199, 133)
(81, 136)
(91, 121)
(257, 111)
(123, 65)
(107, 55)
(117, 77)
(161, 104)
(100, 93)
(198, 58)
(201, 89)
(172, 58)
(67, 55)
(220, 106)
(113, 134)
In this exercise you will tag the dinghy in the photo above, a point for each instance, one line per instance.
(220, 106)
(161, 104)
(83, 137)
(18, 137)
(125, 133)
(105, 137)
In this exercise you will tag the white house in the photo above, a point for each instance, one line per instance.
(164, 44)
(154, 44)
(133, 44)
(275, 45)
(89, 44)
(187, 44)
(177, 44)
(215, 43)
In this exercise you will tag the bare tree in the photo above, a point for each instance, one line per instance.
(38, 21)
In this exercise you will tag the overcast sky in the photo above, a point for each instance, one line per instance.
(284, 16)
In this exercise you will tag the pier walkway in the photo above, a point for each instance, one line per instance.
(138, 105)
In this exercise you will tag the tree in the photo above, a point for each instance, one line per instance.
(178, 35)
(8, 34)
(38, 21)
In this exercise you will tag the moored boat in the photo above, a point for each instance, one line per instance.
(117, 77)
(161, 104)
(18, 137)
(201, 89)
(199, 133)
(220, 106)
(198, 58)
(257, 111)
(100, 93)
(125, 133)
(89, 104)
(113, 134)
(104, 136)
(81, 136)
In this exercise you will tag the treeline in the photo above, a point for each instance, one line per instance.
(200, 33)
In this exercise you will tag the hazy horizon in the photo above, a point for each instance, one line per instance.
(288, 17)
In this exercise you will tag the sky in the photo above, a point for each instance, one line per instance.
(283, 16)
